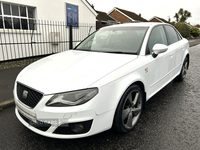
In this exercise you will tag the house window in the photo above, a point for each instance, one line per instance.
(13, 16)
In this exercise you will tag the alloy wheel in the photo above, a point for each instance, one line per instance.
(185, 68)
(132, 109)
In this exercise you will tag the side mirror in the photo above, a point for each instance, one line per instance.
(159, 48)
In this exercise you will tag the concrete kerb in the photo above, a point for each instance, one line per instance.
(6, 104)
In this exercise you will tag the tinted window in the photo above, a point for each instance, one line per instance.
(157, 36)
(8, 22)
(24, 24)
(15, 11)
(31, 24)
(0, 9)
(1, 22)
(31, 12)
(16, 23)
(171, 34)
(6, 8)
(22, 11)
(179, 36)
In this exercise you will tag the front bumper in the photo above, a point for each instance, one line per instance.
(63, 122)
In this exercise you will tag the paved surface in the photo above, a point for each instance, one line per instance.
(7, 79)
(194, 42)
(170, 122)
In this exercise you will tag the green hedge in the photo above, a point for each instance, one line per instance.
(183, 29)
(194, 31)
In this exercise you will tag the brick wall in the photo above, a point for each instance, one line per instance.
(119, 17)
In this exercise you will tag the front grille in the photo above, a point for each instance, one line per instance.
(39, 125)
(28, 96)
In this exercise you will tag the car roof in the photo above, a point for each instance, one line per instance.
(140, 24)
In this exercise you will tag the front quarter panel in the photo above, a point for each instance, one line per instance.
(112, 87)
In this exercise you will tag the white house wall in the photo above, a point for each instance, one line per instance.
(55, 10)
(48, 11)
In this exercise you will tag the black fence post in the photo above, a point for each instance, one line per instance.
(70, 37)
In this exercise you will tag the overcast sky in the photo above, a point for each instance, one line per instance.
(150, 8)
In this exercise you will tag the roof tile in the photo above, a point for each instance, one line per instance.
(103, 16)
(132, 15)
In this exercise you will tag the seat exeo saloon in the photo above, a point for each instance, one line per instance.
(102, 83)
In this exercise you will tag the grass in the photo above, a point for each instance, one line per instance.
(17, 63)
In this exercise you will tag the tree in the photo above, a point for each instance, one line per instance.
(177, 17)
(182, 15)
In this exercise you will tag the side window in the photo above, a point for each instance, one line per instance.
(157, 36)
(179, 37)
(171, 34)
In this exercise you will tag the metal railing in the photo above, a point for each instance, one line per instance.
(47, 37)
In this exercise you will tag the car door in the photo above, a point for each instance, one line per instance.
(176, 46)
(159, 68)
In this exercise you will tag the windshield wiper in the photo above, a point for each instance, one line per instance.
(115, 52)
(120, 52)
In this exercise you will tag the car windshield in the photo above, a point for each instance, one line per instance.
(127, 40)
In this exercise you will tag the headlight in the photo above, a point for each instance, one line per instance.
(72, 98)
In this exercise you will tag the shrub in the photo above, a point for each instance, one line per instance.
(183, 29)
(194, 31)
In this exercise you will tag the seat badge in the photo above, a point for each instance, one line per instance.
(25, 94)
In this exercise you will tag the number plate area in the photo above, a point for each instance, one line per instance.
(29, 115)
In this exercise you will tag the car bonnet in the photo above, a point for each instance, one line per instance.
(71, 70)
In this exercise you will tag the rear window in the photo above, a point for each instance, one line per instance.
(172, 34)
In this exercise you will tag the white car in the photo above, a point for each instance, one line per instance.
(102, 83)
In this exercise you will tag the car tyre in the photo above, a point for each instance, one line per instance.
(129, 109)
(184, 69)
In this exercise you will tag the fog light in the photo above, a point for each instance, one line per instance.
(74, 128)
(77, 128)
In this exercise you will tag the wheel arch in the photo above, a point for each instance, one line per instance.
(142, 87)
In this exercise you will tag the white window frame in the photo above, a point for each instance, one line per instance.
(18, 17)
